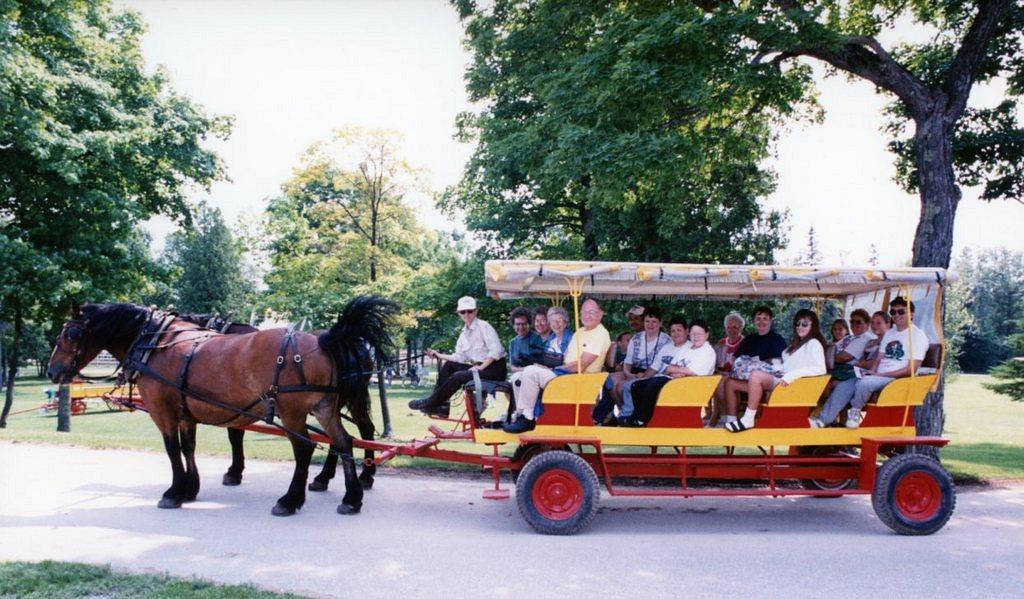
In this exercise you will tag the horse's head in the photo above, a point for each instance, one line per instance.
(91, 329)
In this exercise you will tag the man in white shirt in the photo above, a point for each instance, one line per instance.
(478, 349)
(892, 362)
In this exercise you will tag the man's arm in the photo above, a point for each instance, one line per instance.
(581, 364)
(902, 372)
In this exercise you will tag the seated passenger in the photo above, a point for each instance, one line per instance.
(695, 357)
(559, 339)
(585, 353)
(755, 352)
(526, 347)
(478, 348)
(880, 323)
(640, 355)
(725, 349)
(540, 323)
(892, 362)
(602, 412)
(851, 349)
(618, 353)
(551, 353)
(839, 331)
(805, 356)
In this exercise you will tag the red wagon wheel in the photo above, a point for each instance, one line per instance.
(557, 493)
(913, 494)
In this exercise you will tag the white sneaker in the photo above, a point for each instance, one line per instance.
(815, 423)
(853, 418)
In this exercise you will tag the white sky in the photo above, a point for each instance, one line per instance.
(291, 71)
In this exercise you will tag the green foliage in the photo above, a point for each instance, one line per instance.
(992, 285)
(619, 131)
(208, 267)
(1011, 375)
(341, 228)
(90, 145)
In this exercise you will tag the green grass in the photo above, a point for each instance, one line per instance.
(63, 579)
(100, 428)
(985, 430)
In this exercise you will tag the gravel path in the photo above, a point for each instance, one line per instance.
(435, 537)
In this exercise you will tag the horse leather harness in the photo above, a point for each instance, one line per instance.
(135, 364)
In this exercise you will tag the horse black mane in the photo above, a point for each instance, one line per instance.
(114, 323)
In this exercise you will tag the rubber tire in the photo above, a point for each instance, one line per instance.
(525, 453)
(570, 464)
(813, 484)
(888, 477)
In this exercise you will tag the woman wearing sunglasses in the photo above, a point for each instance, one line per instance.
(805, 356)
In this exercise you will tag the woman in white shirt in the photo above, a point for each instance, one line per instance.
(805, 356)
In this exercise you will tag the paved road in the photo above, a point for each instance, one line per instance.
(435, 537)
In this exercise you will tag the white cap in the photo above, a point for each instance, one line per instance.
(635, 311)
(466, 303)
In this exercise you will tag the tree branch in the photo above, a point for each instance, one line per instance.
(960, 78)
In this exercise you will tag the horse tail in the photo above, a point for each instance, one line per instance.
(364, 323)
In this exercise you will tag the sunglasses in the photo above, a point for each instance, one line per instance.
(894, 312)
(520, 324)
(466, 311)
(803, 323)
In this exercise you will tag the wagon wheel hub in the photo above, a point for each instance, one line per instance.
(557, 494)
(918, 496)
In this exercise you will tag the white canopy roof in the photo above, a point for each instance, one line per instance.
(506, 279)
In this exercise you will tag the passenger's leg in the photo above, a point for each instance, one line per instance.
(627, 399)
(840, 397)
(861, 394)
(732, 402)
(516, 380)
(759, 383)
(449, 380)
(534, 379)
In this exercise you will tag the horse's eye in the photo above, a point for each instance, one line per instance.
(75, 334)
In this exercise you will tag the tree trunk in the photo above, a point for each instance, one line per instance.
(385, 413)
(933, 241)
(12, 368)
(64, 409)
(933, 149)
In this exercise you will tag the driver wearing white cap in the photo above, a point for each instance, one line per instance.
(478, 348)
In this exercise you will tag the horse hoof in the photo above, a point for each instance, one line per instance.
(168, 503)
(231, 480)
(189, 499)
(347, 510)
(366, 483)
(317, 486)
(280, 510)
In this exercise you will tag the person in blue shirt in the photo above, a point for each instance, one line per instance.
(526, 347)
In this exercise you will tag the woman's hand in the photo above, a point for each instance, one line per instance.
(783, 383)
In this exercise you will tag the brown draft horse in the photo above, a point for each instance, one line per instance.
(236, 436)
(188, 375)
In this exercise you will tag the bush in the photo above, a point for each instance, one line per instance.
(1011, 377)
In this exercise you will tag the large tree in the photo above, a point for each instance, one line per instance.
(941, 143)
(207, 266)
(90, 145)
(342, 226)
(618, 131)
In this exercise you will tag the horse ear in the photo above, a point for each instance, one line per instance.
(76, 310)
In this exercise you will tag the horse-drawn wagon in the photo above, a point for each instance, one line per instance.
(561, 465)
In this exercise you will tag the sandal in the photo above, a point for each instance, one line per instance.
(737, 427)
